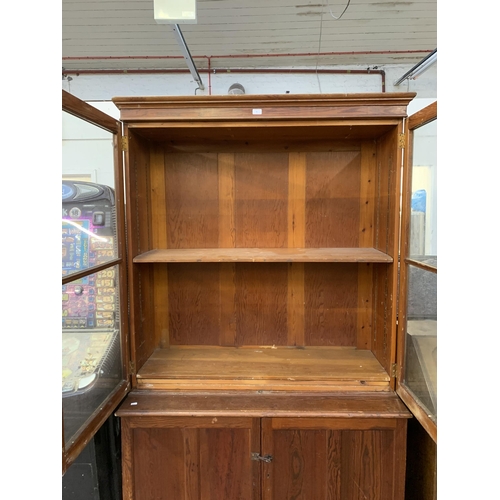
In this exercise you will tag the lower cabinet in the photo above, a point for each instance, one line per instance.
(269, 458)
(172, 458)
(330, 459)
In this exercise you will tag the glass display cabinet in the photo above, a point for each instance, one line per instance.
(417, 354)
(94, 312)
(259, 321)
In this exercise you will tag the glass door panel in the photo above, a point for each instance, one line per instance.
(91, 346)
(417, 339)
(94, 377)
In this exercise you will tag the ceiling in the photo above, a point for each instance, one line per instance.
(123, 35)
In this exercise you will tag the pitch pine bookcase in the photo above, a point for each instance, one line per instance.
(262, 256)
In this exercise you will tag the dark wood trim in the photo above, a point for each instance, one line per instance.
(422, 117)
(260, 108)
(421, 265)
(91, 270)
(420, 414)
(101, 414)
(81, 109)
(279, 99)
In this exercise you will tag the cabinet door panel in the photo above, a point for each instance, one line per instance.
(190, 458)
(333, 461)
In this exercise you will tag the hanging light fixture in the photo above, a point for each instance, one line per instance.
(175, 11)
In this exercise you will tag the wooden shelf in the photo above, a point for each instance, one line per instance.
(186, 404)
(264, 255)
(263, 368)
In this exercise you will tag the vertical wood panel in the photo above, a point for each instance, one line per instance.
(158, 198)
(194, 304)
(261, 304)
(227, 239)
(300, 464)
(296, 200)
(367, 194)
(369, 468)
(161, 310)
(334, 467)
(127, 462)
(267, 448)
(295, 306)
(192, 459)
(226, 468)
(360, 467)
(227, 230)
(387, 231)
(227, 290)
(296, 239)
(192, 200)
(158, 464)
(365, 306)
(306, 463)
(331, 299)
(139, 240)
(399, 447)
(159, 240)
(191, 464)
(261, 192)
(145, 338)
(332, 199)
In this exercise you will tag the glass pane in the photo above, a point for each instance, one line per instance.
(421, 338)
(91, 350)
(423, 221)
(88, 199)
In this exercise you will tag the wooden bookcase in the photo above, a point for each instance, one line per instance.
(262, 248)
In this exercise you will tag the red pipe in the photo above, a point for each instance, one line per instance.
(237, 56)
(240, 56)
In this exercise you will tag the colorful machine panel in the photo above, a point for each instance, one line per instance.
(90, 304)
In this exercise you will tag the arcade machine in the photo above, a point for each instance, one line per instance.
(91, 360)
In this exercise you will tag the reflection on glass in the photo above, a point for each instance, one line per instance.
(423, 221)
(88, 225)
(88, 200)
(421, 338)
(91, 351)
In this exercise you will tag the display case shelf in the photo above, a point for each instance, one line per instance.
(264, 255)
(263, 368)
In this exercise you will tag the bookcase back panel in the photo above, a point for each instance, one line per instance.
(261, 199)
(240, 304)
(332, 199)
(192, 200)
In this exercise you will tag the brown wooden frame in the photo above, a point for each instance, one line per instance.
(415, 121)
(86, 112)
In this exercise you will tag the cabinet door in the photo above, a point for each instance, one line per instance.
(333, 458)
(190, 458)
(417, 316)
(94, 313)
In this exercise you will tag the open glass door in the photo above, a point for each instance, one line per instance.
(417, 318)
(94, 323)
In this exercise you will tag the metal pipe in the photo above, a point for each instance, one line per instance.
(228, 70)
(418, 68)
(187, 55)
(245, 56)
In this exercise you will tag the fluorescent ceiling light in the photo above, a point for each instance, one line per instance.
(419, 68)
(175, 11)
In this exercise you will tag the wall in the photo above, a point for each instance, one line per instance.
(102, 87)
(99, 89)
(87, 152)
